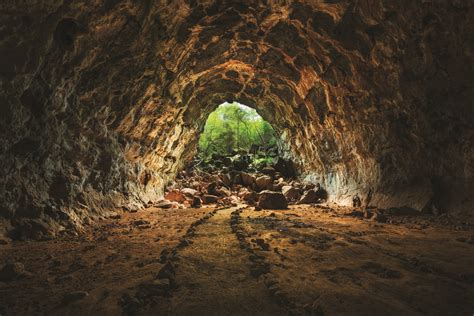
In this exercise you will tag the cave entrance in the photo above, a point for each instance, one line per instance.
(239, 160)
(236, 136)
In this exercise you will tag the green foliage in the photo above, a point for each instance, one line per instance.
(234, 126)
(259, 163)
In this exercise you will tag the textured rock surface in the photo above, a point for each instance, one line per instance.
(101, 102)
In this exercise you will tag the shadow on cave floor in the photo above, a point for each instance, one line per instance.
(222, 260)
(239, 234)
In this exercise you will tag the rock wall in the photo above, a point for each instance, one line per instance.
(101, 102)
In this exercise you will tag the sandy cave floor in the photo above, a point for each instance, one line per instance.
(314, 260)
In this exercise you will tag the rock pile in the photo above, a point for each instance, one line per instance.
(232, 180)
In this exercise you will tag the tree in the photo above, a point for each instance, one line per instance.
(234, 126)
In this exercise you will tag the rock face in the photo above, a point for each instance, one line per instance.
(101, 103)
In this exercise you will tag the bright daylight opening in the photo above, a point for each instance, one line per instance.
(235, 130)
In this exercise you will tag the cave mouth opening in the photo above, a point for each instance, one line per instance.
(236, 135)
(240, 159)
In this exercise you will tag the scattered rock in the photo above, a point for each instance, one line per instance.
(272, 200)
(378, 217)
(226, 179)
(164, 204)
(291, 193)
(308, 197)
(270, 171)
(189, 192)
(175, 196)
(208, 199)
(223, 192)
(196, 202)
(264, 182)
(140, 222)
(13, 271)
(212, 189)
(74, 296)
(250, 197)
(247, 179)
(261, 242)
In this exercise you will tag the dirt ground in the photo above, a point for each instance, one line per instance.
(309, 260)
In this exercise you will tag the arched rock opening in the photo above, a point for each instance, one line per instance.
(101, 103)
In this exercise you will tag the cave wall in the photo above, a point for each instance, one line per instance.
(101, 102)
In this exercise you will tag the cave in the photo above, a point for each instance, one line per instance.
(101, 107)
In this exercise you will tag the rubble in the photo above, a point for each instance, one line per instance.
(229, 180)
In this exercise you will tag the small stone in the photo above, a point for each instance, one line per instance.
(260, 242)
(196, 202)
(164, 204)
(13, 271)
(189, 192)
(74, 296)
(208, 198)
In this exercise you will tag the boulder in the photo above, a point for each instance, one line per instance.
(236, 177)
(270, 171)
(291, 193)
(175, 196)
(196, 202)
(264, 182)
(208, 198)
(212, 188)
(308, 197)
(189, 192)
(250, 197)
(272, 200)
(226, 179)
(223, 192)
(195, 185)
(247, 179)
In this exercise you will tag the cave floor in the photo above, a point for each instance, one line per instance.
(311, 260)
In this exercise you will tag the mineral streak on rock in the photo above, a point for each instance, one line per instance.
(101, 102)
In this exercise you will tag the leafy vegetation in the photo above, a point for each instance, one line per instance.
(235, 127)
